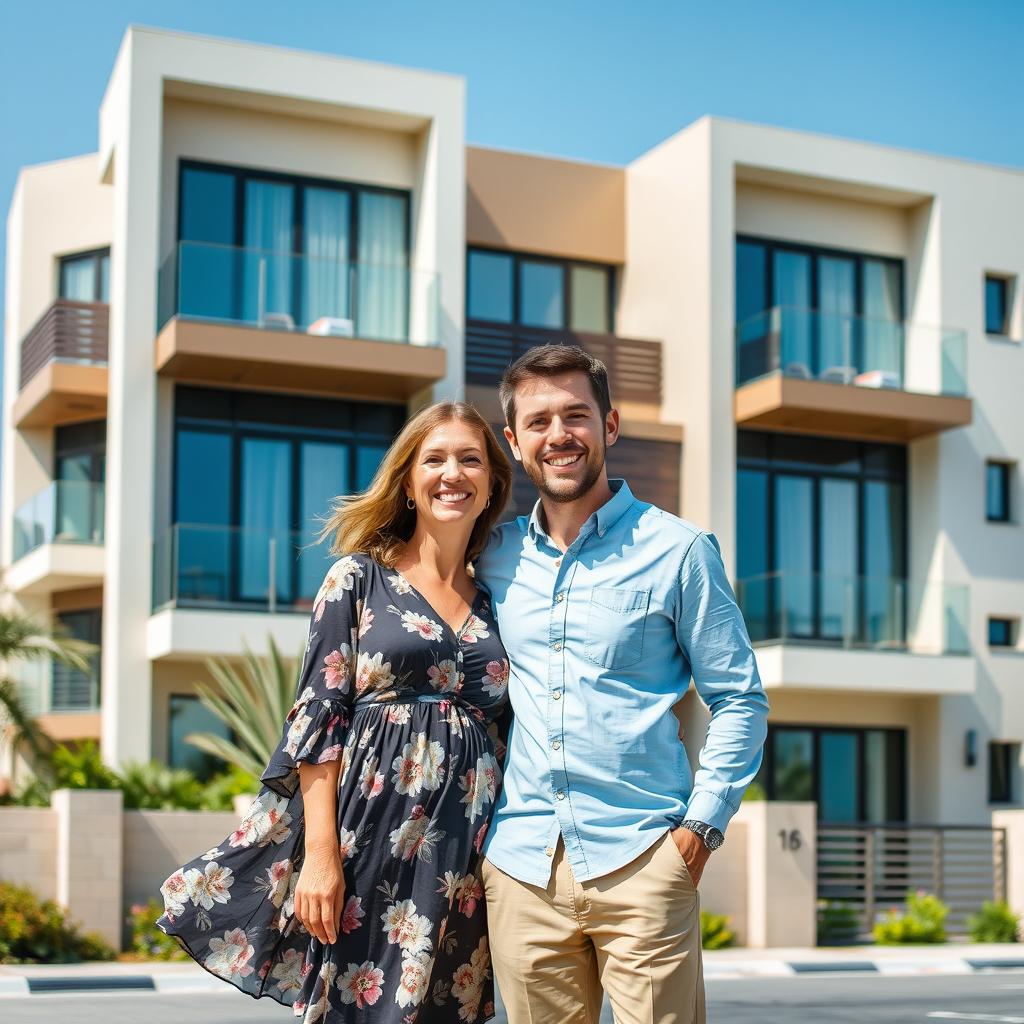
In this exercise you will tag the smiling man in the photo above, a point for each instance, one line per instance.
(607, 606)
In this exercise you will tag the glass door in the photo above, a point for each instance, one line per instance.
(791, 286)
(264, 541)
(326, 272)
(383, 295)
(882, 336)
(267, 289)
(837, 306)
(838, 523)
(325, 473)
(794, 554)
(839, 778)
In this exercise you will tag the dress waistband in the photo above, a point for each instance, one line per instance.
(419, 698)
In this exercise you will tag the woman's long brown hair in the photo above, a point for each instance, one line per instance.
(378, 522)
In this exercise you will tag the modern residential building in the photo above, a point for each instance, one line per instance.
(219, 320)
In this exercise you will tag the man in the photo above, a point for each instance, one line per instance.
(606, 606)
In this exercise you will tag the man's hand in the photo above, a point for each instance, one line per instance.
(693, 851)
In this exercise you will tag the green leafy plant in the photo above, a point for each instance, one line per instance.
(220, 792)
(78, 767)
(754, 793)
(253, 701)
(923, 920)
(33, 930)
(148, 941)
(714, 931)
(154, 786)
(995, 922)
(838, 922)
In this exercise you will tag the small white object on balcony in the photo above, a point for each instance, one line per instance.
(278, 321)
(877, 379)
(332, 327)
(838, 374)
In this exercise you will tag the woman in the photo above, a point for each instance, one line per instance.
(349, 891)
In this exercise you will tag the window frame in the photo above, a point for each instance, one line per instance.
(1005, 283)
(1011, 751)
(766, 776)
(1012, 630)
(1006, 469)
(566, 264)
(171, 697)
(97, 256)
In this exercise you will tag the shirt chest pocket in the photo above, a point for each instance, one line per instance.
(616, 620)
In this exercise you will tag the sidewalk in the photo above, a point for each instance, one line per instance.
(168, 978)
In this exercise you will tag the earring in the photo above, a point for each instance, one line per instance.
(410, 503)
(488, 505)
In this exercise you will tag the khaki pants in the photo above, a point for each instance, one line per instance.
(634, 932)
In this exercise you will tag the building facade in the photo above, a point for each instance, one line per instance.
(218, 322)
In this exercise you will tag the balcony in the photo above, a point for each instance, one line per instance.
(64, 701)
(634, 366)
(848, 376)
(213, 587)
(58, 539)
(252, 318)
(64, 366)
(854, 633)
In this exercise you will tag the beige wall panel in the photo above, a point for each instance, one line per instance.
(820, 220)
(28, 848)
(538, 204)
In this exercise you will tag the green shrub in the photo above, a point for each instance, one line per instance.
(220, 792)
(924, 920)
(78, 767)
(36, 931)
(838, 922)
(995, 922)
(714, 931)
(155, 787)
(148, 941)
(754, 792)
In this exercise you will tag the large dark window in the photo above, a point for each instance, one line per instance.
(535, 291)
(997, 491)
(73, 688)
(85, 277)
(997, 305)
(818, 313)
(1002, 772)
(821, 538)
(854, 775)
(80, 451)
(1002, 632)
(255, 475)
(288, 252)
(187, 715)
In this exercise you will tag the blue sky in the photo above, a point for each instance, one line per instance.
(596, 80)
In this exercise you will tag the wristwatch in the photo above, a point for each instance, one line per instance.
(710, 836)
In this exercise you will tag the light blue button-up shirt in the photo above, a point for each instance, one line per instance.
(602, 641)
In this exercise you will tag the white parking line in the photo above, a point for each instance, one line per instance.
(949, 1015)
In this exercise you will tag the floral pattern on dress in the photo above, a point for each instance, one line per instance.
(415, 712)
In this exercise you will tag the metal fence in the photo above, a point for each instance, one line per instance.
(870, 868)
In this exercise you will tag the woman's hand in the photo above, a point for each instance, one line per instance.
(320, 892)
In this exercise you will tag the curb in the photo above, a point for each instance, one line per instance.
(20, 986)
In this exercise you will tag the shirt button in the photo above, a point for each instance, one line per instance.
(555, 745)
(558, 562)
(558, 645)
(560, 795)
(560, 598)
(557, 695)
(549, 851)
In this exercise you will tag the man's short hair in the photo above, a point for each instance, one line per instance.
(551, 361)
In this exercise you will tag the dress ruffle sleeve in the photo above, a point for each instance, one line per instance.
(315, 727)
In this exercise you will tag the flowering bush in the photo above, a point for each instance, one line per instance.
(148, 941)
(35, 931)
(924, 920)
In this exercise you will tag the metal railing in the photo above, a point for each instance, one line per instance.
(857, 350)
(870, 868)
(295, 293)
(68, 332)
(634, 366)
(880, 613)
(232, 567)
(48, 687)
(63, 512)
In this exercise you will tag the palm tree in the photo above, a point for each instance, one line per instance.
(22, 641)
(253, 704)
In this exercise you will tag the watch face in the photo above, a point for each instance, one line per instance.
(713, 839)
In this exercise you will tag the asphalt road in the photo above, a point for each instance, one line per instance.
(996, 998)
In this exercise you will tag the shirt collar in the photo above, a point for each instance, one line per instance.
(606, 516)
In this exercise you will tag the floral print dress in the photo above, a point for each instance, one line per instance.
(413, 710)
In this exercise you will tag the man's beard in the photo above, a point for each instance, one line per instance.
(565, 495)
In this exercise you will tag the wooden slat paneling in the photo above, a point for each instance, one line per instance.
(74, 332)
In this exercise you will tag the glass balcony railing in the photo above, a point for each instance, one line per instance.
(879, 613)
(287, 292)
(65, 512)
(857, 350)
(197, 566)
